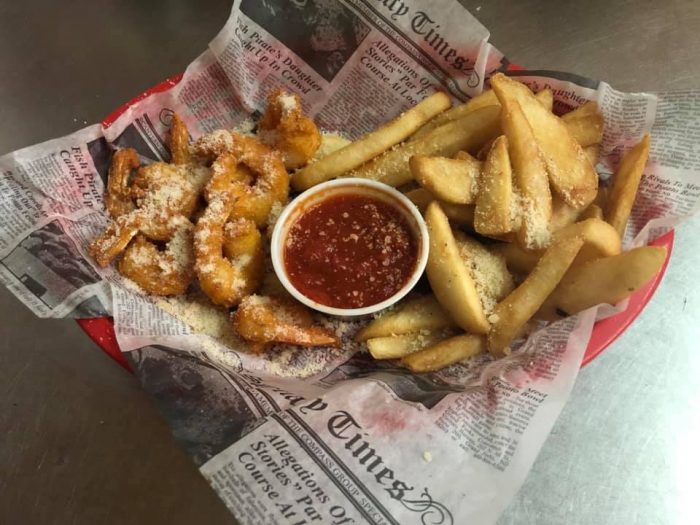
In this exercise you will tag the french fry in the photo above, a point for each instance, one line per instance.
(413, 315)
(464, 155)
(587, 130)
(585, 124)
(571, 174)
(530, 176)
(397, 346)
(487, 98)
(511, 314)
(592, 212)
(518, 259)
(606, 280)
(461, 214)
(599, 240)
(562, 214)
(625, 184)
(546, 98)
(451, 180)
(584, 110)
(420, 197)
(449, 277)
(445, 353)
(494, 211)
(488, 269)
(370, 145)
(484, 150)
(467, 133)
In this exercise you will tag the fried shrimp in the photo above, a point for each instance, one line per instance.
(271, 184)
(119, 199)
(228, 176)
(114, 239)
(285, 128)
(161, 272)
(179, 141)
(228, 257)
(272, 320)
(269, 181)
(162, 195)
(179, 144)
(228, 245)
(163, 192)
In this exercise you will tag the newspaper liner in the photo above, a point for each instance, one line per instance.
(303, 436)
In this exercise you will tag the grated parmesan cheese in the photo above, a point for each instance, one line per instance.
(246, 128)
(217, 141)
(288, 103)
(488, 270)
(197, 175)
(140, 255)
(537, 234)
(197, 312)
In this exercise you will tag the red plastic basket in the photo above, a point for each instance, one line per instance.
(101, 329)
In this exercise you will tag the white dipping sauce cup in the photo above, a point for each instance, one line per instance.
(335, 188)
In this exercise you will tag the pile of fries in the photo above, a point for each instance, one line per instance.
(519, 229)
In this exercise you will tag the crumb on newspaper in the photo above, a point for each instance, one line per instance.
(519, 228)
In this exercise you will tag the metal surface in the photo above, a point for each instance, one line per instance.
(80, 443)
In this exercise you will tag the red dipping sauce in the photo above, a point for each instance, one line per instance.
(350, 251)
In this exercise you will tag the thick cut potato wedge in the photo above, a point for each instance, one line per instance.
(570, 172)
(467, 133)
(584, 110)
(592, 212)
(484, 151)
(451, 180)
(625, 185)
(606, 280)
(586, 130)
(412, 315)
(445, 353)
(530, 176)
(585, 124)
(449, 278)
(460, 214)
(495, 211)
(599, 240)
(546, 98)
(486, 98)
(397, 346)
(372, 144)
(421, 198)
(518, 259)
(511, 314)
(562, 214)
(488, 269)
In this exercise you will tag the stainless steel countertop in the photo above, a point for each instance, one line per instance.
(81, 443)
